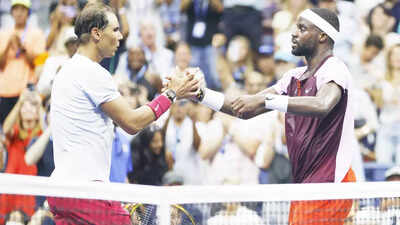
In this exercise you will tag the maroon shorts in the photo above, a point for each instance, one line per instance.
(69, 211)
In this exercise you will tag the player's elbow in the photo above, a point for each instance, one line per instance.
(323, 110)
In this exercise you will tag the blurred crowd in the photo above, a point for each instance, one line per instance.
(242, 47)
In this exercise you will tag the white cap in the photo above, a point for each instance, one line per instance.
(70, 35)
(394, 171)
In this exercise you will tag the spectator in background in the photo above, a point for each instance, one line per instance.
(171, 19)
(148, 157)
(40, 153)
(349, 19)
(135, 67)
(182, 142)
(21, 125)
(53, 63)
(111, 63)
(183, 55)
(62, 16)
(203, 19)
(211, 132)
(284, 22)
(159, 58)
(121, 159)
(380, 21)
(237, 64)
(265, 64)
(19, 46)
(284, 61)
(366, 68)
(394, 7)
(243, 18)
(388, 141)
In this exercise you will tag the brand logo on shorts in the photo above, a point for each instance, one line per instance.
(308, 90)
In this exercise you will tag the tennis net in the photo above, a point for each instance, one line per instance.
(344, 203)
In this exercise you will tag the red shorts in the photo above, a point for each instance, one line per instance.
(70, 211)
(328, 212)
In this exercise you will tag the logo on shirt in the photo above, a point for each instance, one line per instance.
(157, 107)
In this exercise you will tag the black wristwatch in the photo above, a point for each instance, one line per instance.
(171, 95)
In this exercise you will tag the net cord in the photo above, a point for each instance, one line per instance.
(43, 186)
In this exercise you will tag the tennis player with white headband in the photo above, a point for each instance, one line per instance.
(319, 122)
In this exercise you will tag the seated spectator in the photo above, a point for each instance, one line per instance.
(133, 65)
(19, 47)
(148, 157)
(21, 125)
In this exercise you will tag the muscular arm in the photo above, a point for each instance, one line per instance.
(250, 105)
(320, 105)
(131, 120)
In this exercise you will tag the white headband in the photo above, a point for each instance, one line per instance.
(320, 23)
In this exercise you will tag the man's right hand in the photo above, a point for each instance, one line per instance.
(184, 85)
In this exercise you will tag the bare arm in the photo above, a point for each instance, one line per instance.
(35, 152)
(320, 105)
(124, 24)
(211, 143)
(134, 120)
(54, 29)
(247, 106)
(11, 119)
(131, 120)
(247, 145)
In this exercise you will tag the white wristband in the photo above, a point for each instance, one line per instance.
(213, 99)
(277, 102)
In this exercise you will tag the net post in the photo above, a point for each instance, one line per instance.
(165, 214)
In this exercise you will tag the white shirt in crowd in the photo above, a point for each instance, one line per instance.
(82, 132)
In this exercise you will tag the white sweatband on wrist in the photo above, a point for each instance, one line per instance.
(213, 99)
(277, 102)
